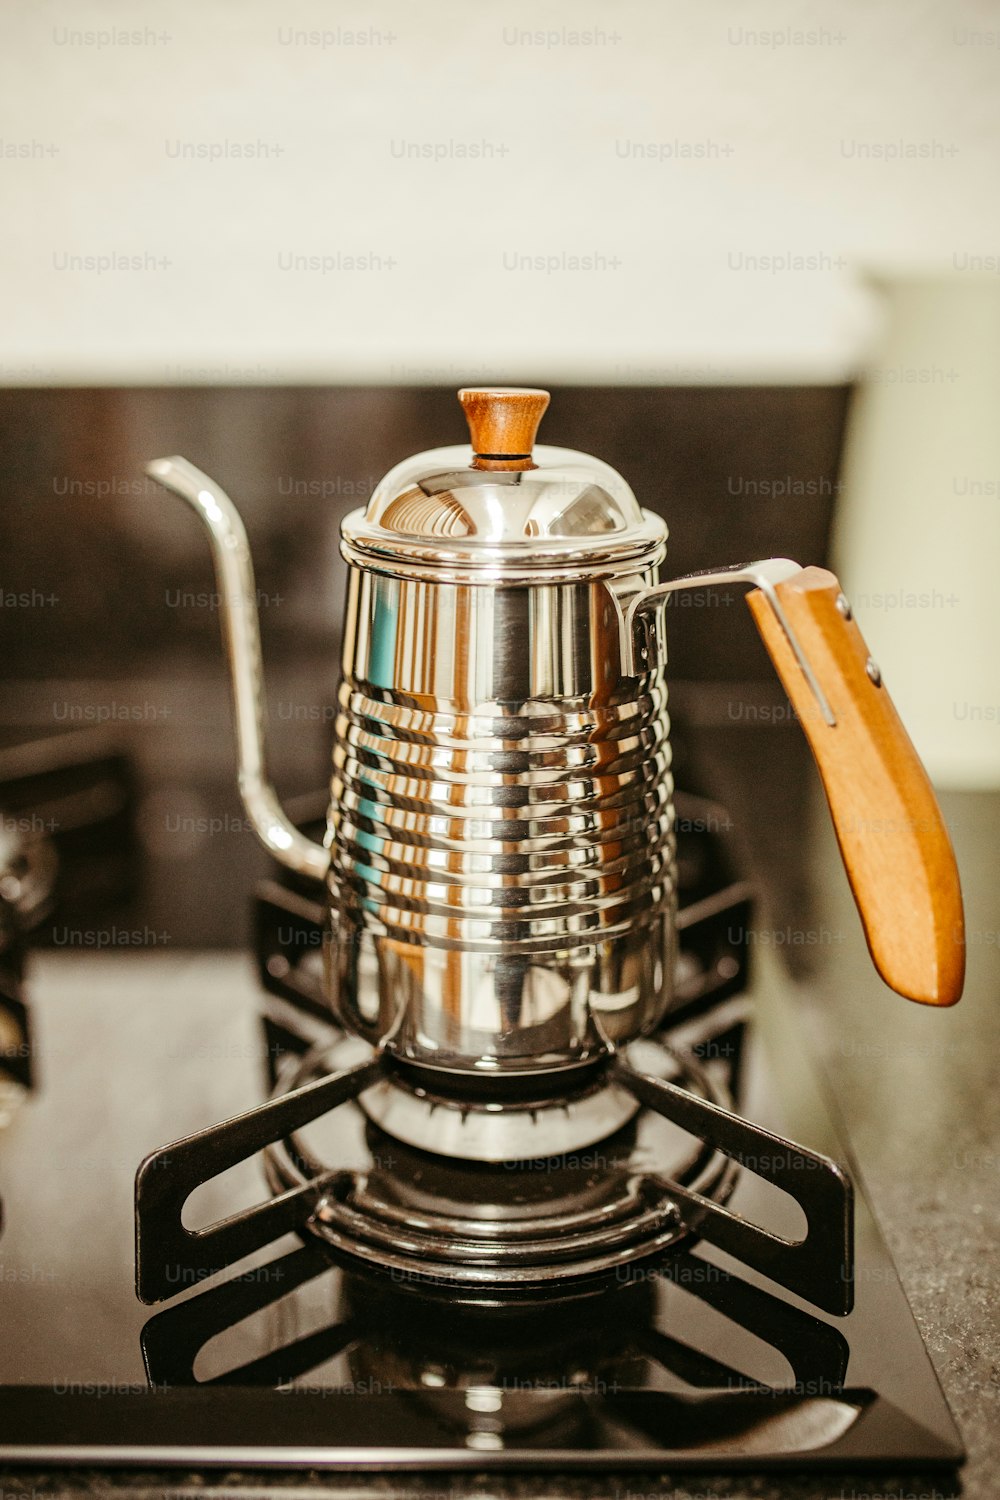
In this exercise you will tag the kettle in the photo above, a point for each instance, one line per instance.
(500, 854)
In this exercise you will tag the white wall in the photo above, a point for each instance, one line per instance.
(780, 129)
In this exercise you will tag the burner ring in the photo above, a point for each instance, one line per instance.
(483, 1130)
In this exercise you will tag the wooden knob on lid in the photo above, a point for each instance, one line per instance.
(502, 425)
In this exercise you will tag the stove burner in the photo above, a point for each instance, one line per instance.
(544, 1212)
(431, 1222)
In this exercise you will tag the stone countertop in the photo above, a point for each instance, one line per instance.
(920, 1097)
(918, 1093)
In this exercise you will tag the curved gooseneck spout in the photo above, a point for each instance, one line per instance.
(241, 637)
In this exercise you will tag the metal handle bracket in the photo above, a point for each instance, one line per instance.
(638, 605)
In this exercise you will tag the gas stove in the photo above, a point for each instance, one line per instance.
(663, 1265)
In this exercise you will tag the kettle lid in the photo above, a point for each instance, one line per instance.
(502, 507)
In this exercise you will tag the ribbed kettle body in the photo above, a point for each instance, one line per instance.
(502, 878)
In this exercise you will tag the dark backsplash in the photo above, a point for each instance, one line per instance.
(123, 559)
(109, 617)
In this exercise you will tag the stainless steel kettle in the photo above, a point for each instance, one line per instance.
(500, 851)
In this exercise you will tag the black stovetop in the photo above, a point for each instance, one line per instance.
(291, 1359)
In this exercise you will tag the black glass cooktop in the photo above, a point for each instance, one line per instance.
(290, 1359)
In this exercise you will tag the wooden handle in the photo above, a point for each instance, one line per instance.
(502, 425)
(892, 836)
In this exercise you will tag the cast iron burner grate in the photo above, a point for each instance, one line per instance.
(545, 1219)
(628, 1209)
